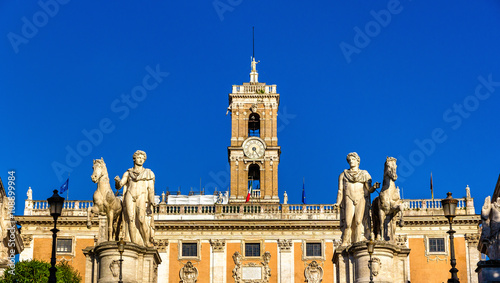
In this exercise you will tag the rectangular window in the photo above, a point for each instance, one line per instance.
(436, 245)
(190, 249)
(252, 249)
(64, 245)
(313, 249)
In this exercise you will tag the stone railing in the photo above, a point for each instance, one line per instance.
(70, 208)
(260, 88)
(418, 207)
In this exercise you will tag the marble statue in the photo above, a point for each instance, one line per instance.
(138, 200)
(220, 199)
(489, 242)
(4, 223)
(254, 65)
(285, 198)
(105, 201)
(387, 205)
(355, 187)
(29, 194)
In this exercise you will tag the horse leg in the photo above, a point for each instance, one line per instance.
(89, 217)
(110, 225)
(118, 223)
(381, 215)
(91, 211)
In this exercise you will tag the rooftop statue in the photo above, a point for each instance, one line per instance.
(105, 201)
(489, 243)
(355, 187)
(388, 204)
(138, 201)
(254, 65)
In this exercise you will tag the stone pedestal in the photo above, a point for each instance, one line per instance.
(488, 271)
(389, 263)
(140, 264)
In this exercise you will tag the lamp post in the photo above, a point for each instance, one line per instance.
(371, 246)
(121, 248)
(449, 207)
(55, 204)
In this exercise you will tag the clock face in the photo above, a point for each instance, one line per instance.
(254, 148)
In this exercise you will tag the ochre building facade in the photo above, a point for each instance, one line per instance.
(264, 239)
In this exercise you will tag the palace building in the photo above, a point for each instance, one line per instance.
(219, 239)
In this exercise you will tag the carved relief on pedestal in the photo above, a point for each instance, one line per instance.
(376, 265)
(27, 240)
(188, 273)
(218, 245)
(285, 245)
(114, 266)
(313, 273)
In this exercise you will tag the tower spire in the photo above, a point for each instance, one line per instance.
(254, 76)
(253, 42)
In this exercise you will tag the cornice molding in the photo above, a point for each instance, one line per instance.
(245, 224)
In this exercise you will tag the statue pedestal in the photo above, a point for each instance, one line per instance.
(390, 263)
(140, 264)
(488, 271)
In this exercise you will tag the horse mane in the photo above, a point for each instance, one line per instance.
(102, 164)
(386, 165)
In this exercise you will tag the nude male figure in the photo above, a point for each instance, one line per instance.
(355, 187)
(490, 236)
(138, 199)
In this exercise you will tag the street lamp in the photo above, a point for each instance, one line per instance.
(449, 207)
(371, 247)
(55, 205)
(121, 248)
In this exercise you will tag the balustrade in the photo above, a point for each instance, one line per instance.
(412, 207)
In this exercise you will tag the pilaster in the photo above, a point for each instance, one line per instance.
(218, 268)
(286, 261)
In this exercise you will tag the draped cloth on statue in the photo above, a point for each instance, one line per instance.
(145, 175)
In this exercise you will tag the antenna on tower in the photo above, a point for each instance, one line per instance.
(253, 42)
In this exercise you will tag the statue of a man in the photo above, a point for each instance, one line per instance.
(489, 243)
(355, 187)
(138, 199)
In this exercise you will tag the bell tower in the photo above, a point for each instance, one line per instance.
(254, 153)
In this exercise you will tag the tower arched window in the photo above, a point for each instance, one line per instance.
(254, 125)
(254, 180)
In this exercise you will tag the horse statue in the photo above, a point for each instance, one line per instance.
(105, 201)
(387, 205)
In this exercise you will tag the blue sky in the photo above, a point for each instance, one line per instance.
(416, 80)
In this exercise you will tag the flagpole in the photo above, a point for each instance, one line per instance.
(67, 190)
(251, 193)
(432, 188)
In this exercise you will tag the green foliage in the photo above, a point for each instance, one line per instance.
(38, 271)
